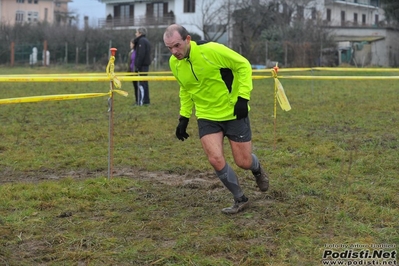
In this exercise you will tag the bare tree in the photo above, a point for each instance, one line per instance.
(281, 31)
(215, 21)
(391, 9)
(250, 19)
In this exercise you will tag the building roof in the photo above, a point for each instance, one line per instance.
(352, 38)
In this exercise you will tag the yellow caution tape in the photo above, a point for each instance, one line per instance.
(342, 77)
(121, 92)
(30, 78)
(279, 92)
(281, 97)
(128, 76)
(60, 97)
(111, 73)
(83, 79)
(349, 69)
(172, 78)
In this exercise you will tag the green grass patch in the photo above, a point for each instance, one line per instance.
(334, 177)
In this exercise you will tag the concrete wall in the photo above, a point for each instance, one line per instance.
(383, 51)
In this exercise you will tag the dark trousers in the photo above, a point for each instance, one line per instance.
(135, 86)
(146, 99)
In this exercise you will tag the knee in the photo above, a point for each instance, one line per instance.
(244, 163)
(218, 162)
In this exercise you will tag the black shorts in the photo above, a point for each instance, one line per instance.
(235, 130)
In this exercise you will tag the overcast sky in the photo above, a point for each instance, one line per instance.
(91, 8)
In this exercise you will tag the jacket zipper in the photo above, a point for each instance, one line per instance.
(192, 70)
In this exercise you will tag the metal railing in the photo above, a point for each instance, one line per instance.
(138, 21)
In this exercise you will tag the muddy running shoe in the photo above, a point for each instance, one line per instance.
(262, 179)
(239, 205)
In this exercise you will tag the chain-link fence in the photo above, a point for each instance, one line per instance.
(90, 47)
(68, 46)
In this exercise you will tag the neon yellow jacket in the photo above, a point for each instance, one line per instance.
(211, 79)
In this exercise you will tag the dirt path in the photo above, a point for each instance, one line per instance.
(192, 179)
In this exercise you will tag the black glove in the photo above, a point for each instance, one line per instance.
(241, 108)
(181, 128)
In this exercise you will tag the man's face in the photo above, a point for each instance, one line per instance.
(177, 46)
(137, 34)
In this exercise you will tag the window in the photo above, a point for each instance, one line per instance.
(20, 1)
(285, 9)
(355, 18)
(375, 3)
(45, 14)
(32, 16)
(314, 13)
(277, 7)
(300, 12)
(19, 16)
(124, 14)
(363, 19)
(157, 13)
(30, 1)
(328, 14)
(158, 10)
(189, 6)
(124, 11)
(376, 19)
(35, 1)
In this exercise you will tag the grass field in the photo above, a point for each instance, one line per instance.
(333, 172)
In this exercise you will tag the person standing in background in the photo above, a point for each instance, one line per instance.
(130, 68)
(143, 60)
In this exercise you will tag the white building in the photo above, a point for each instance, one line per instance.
(33, 11)
(195, 14)
(358, 25)
(136, 13)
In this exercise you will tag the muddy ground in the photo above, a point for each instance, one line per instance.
(192, 179)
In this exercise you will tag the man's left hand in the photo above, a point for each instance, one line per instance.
(241, 108)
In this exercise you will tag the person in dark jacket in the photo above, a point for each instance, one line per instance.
(143, 60)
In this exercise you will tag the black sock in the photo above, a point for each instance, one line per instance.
(255, 167)
(257, 172)
(242, 199)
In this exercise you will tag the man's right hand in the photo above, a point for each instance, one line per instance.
(181, 133)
